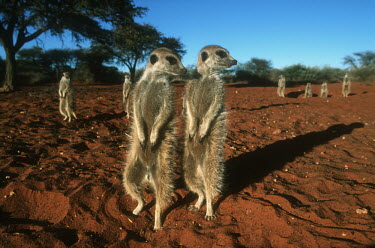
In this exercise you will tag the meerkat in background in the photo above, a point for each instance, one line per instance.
(324, 90)
(126, 89)
(205, 134)
(152, 151)
(308, 90)
(346, 84)
(281, 86)
(66, 93)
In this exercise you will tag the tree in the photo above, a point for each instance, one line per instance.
(362, 65)
(260, 67)
(22, 21)
(258, 70)
(90, 63)
(132, 44)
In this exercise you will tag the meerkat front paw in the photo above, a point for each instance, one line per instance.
(153, 137)
(203, 131)
(192, 131)
(142, 139)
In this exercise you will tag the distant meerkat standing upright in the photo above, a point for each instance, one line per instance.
(324, 90)
(126, 89)
(205, 128)
(66, 93)
(346, 84)
(281, 86)
(308, 90)
(152, 150)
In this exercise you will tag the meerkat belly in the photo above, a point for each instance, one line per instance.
(202, 101)
(152, 102)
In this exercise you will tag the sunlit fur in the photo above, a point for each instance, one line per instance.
(152, 152)
(308, 90)
(281, 86)
(66, 93)
(324, 90)
(126, 90)
(346, 85)
(205, 128)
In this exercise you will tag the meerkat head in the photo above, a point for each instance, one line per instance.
(214, 57)
(127, 77)
(66, 74)
(165, 60)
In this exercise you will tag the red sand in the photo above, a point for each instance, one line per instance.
(300, 173)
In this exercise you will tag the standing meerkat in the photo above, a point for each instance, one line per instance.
(324, 90)
(281, 86)
(308, 90)
(346, 84)
(66, 93)
(152, 150)
(126, 89)
(205, 128)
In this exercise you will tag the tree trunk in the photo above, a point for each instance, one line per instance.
(10, 69)
(132, 74)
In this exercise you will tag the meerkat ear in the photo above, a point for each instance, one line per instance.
(204, 56)
(153, 59)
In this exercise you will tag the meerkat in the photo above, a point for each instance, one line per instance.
(126, 89)
(205, 133)
(281, 86)
(152, 150)
(324, 90)
(346, 84)
(308, 90)
(66, 93)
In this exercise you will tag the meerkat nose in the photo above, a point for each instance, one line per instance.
(234, 62)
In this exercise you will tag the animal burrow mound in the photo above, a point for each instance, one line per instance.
(44, 206)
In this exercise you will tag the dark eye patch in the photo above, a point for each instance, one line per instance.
(204, 56)
(221, 53)
(171, 60)
(153, 59)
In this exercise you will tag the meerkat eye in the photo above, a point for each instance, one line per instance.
(204, 56)
(153, 59)
(171, 60)
(221, 53)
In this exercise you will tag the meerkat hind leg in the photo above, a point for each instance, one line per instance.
(132, 181)
(199, 202)
(157, 224)
(209, 211)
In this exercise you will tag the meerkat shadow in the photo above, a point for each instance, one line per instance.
(252, 167)
(295, 94)
(263, 107)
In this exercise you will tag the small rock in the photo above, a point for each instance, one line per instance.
(277, 131)
(361, 211)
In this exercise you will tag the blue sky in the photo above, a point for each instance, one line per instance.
(310, 32)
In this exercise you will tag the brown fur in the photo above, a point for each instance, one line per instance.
(126, 95)
(66, 93)
(152, 150)
(205, 128)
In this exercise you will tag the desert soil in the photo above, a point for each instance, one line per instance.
(300, 172)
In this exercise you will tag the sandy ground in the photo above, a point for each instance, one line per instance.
(300, 173)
